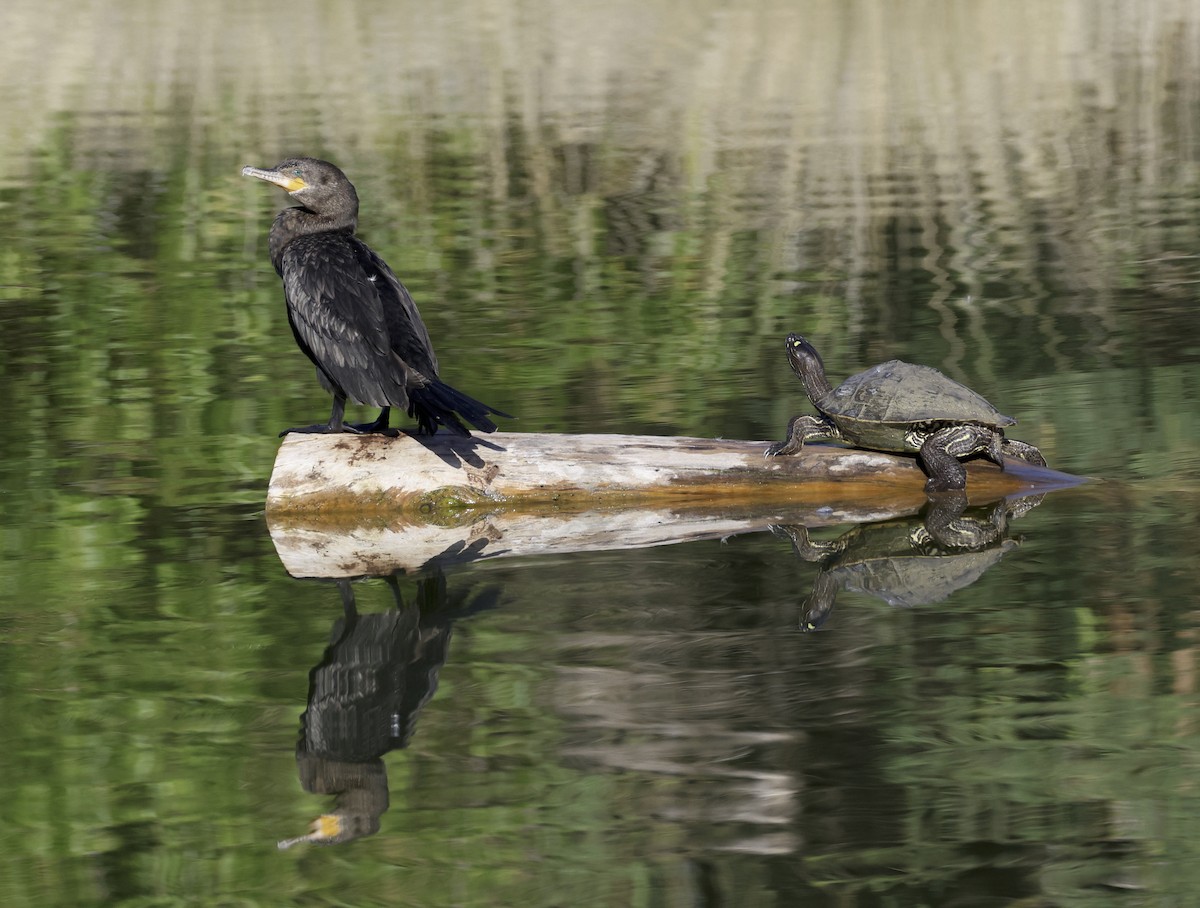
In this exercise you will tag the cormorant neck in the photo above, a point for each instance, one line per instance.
(296, 222)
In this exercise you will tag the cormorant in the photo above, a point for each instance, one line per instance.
(350, 314)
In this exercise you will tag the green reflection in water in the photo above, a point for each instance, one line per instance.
(610, 219)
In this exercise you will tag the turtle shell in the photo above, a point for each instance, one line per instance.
(918, 579)
(879, 406)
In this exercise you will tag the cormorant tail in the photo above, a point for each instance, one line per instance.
(437, 403)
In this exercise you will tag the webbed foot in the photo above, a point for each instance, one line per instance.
(336, 425)
(381, 425)
(321, 428)
(371, 428)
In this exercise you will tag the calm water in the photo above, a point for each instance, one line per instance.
(610, 215)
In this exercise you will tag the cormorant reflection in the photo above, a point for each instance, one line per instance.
(908, 561)
(364, 697)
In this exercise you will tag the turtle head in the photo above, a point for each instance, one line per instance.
(806, 363)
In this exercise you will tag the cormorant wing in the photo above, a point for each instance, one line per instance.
(341, 322)
(409, 337)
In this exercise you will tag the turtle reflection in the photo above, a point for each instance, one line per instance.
(364, 697)
(909, 561)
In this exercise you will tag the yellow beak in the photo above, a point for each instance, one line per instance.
(285, 181)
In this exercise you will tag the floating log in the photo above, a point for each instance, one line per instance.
(345, 478)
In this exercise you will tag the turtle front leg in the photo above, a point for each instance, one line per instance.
(941, 452)
(797, 535)
(1022, 450)
(800, 430)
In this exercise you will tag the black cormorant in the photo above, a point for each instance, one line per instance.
(350, 314)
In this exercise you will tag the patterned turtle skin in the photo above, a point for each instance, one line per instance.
(903, 408)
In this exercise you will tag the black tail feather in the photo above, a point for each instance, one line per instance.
(437, 403)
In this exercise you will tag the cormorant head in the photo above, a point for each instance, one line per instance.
(318, 185)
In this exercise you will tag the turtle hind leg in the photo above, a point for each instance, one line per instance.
(800, 430)
(941, 452)
(1021, 450)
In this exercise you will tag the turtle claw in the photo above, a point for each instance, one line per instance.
(800, 430)
(1022, 450)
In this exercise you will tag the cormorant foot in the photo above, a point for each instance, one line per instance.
(321, 428)
(372, 428)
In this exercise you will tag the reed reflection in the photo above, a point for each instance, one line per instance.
(912, 560)
(364, 696)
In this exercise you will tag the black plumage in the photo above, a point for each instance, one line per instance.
(350, 314)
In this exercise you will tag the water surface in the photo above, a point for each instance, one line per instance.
(611, 216)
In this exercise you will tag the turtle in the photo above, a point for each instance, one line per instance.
(907, 561)
(903, 408)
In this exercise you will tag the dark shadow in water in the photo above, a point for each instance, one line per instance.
(912, 560)
(377, 674)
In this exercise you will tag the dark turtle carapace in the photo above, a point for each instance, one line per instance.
(901, 407)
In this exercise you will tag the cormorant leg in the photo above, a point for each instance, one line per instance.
(800, 430)
(349, 608)
(941, 452)
(1022, 450)
(394, 586)
(336, 422)
(337, 417)
(379, 426)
